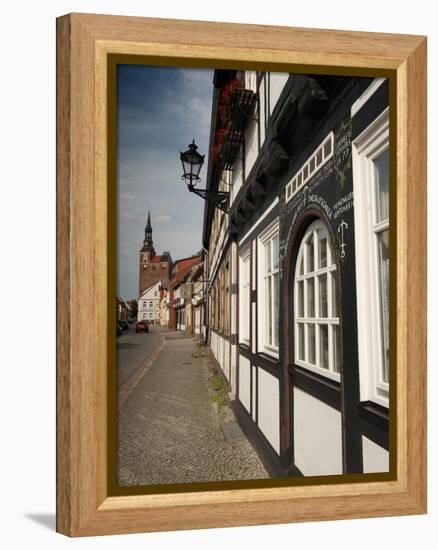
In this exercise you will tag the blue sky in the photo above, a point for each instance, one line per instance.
(159, 111)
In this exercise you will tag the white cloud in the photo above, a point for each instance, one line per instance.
(162, 218)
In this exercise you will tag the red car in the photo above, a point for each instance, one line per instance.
(141, 326)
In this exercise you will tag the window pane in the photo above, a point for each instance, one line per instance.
(269, 309)
(310, 255)
(275, 252)
(335, 309)
(381, 165)
(383, 238)
(311, 343)
(310, 297)
(323, 346)
(323, 303)
(301, 268)
(319, 157)
(336, 349)
(322, 248)
(275, 281)
(301, 341)
(327, 148)
(300, 299)
(268, 257)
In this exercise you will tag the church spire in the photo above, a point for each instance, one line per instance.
(148, 245)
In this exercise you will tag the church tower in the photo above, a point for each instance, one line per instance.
(148, 244)
(152, 268)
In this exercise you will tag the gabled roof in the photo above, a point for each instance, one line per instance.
(183, 272)
(146, 290)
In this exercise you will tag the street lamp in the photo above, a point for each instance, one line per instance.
(192, 162)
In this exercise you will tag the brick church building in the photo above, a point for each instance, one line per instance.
(152, 267)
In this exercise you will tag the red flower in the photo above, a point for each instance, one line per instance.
(228, 89)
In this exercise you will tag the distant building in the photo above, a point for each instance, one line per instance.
(149, 304)
(179, 292)
(122, 309)
(195, 305)
(152, 267)
(164, 310)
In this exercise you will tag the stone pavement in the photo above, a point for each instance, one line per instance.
(176, 426)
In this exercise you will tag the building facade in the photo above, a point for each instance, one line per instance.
(180, 293)
(164, 310)
(197, 300)
(149, 304)
(152, 267)
(122, 309)
(299, 266)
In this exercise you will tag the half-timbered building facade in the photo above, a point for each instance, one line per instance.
(298, 266)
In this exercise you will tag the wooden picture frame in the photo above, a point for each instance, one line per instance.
(84, 42)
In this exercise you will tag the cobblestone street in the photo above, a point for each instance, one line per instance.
(175, 424)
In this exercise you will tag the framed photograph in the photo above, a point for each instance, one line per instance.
(241, 284)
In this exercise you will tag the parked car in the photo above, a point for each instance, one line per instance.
(124, 324)
(119, 329)
(141, 326)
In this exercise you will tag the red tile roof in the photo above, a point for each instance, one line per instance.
(182, 268)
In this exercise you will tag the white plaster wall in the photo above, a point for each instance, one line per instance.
(220, 347)
(318, 436)
(375, 458)
(226, 358)
(237, 180)
(244, 382)
(254, 390)
(251, 80)
(277, 82)
(213, 343)
(251, 146)
(268, 408)
(216, 344)
(253, 328)
(147, 310)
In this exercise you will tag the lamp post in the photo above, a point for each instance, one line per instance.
(192, 162)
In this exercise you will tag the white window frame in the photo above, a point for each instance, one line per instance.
(312, 165)
(264, 238)
(330, 270)
(244, 295)
(372, 142)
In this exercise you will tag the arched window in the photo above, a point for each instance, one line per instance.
(316, 311)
